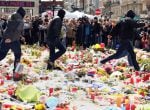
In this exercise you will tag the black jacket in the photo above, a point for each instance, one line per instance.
(14, 28)
(54, 29)
(125, 28)
(96, 28)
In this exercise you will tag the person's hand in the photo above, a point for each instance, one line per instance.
(22, 39)
(46, 46)
(109, 36)
(146, 25)
(8, 41)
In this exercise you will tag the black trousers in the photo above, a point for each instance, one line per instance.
(55, 44)
(14, 46)
(125, 45)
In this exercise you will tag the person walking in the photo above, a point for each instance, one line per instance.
(125, 31)
(53, 39)
(12, 35)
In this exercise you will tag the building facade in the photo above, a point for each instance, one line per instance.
(50, 5)
(88, 6)
(73, 5)
(9, 6)
(135, 5)
(119, 7)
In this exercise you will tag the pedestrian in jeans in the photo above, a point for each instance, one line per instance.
(125, 31)
(53, 39)
(12, 35)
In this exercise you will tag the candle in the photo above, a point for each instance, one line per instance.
(93, 96)
(126, 101)
(118, 101)
(102, 45)
(69, 55)
(96, 61)
(8, 77)
(1, 81)
(133, 107)
(138, 80)
(10, 92)
(137, 73)
(142, 93)
(50, 91)
(127, 107)
(6, 106)
(74, 89)
(131, 80)
(130, 107)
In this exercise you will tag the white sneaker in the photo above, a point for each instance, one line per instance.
(99, 63)
(143, 67)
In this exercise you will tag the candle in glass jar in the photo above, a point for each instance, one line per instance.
(8, 77)
(1, 81)
(50, 91)
(93, 96)
(6, 106)
(74, 89)
(10, 92)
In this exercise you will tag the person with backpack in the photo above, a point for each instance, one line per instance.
(125, 30)
(12, 35)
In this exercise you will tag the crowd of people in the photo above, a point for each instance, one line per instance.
(84, 31)
(61, 32)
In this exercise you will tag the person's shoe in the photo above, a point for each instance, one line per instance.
(143, 67)
(57, 68)
(100, 63)
(50, 66)
(17, 76)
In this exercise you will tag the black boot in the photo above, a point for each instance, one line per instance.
(50, 66)
(16, 76)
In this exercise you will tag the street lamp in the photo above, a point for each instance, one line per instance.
(91, 6)
(53, 7)
(6, 10)
(40, 7)
(134, 5)
(83, 5)
(109, 8)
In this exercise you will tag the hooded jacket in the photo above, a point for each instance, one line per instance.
(15, 26)
(125, 29)
(54, 29)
